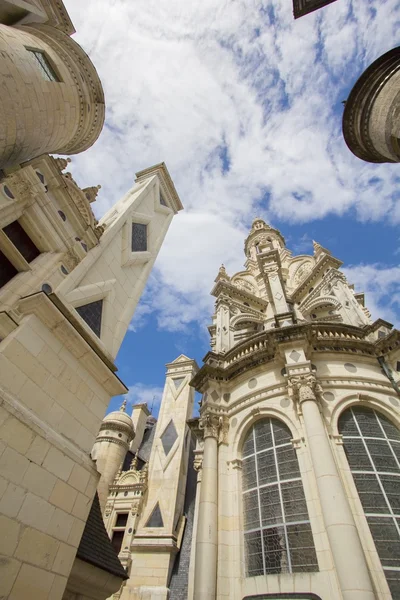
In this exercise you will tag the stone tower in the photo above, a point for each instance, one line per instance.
(109, 451)
(68, 289)
(371, 124)
(298, 437)
(52, 100)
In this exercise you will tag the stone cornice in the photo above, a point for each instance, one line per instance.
(224, 287)
(262, 348)
(166, 184)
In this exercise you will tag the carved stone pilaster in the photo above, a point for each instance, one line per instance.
(223, 430)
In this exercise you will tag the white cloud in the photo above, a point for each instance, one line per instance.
(141, 393)
(190, 82)
(382, 289)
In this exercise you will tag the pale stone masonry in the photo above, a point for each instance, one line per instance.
(69, 287)
(298, 447)
(51, 97)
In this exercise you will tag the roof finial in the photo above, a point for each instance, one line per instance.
(123, 406)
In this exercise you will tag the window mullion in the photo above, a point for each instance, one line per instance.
(377, 474)
(281, 500)
(258, 499)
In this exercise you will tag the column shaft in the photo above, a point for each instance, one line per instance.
(205, 577)
(345, 543)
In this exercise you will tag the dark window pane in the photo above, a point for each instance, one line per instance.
(368, 423)
(357, 455)
(253, 550)
(122, 519)
(248, 446)
(271, 509)
(266, 467)
(139, 237)
(169, 437)
(301, 548)
(391, 486)
(387, 540)
(116, 540)
(91, 313)
(287, 462)
(370, 493)
(251, 512)
(393, 579)
(275, 550)
(21, 240)
(7, 270)
(282, 434)
(249, 476)
(382, 455)
(294, 502)
(347, 425)
(390, 429)
(263, 435)
(155, 519)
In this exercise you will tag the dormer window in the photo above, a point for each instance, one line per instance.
(139, 237)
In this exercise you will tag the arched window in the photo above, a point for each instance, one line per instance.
(372, 446)
(277, 529)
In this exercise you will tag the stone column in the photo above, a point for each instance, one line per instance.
(348, 555)
(205, 576)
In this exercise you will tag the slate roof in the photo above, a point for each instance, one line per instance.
(180, 573)
(95, 546)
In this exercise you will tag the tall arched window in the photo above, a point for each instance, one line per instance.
(277, 529)
(372, 446)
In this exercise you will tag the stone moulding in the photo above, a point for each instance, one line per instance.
(262, 348)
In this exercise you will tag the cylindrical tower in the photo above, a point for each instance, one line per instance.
(52, 99)
(112, 443)
(371, 123)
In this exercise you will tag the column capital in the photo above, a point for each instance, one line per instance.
(215, 426)
(304, 387)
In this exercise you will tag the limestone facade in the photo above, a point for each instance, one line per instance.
(298, 445)
(52, 99)
(69, 287)
(371, 124)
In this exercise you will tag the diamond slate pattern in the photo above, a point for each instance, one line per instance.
(169, 437)
(91, 313)
(155, 519)
(95, 547)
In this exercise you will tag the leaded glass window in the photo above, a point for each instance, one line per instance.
(91, 313)
(277, 530)
(43, 64)
(139, 237)
(372, 446)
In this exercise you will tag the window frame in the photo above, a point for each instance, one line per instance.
(278, 483)
(53, 75)
(115, 528)
(12, 253)
(362, 513)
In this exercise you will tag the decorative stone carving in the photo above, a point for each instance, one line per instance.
(223, 430)
(210, 424)
(198, 463)
(91, 192)
(62, 163)
(304, 387)
(302, 272)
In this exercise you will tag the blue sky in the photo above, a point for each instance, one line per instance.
(244, 105)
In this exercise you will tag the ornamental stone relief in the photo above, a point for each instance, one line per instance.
(303, 270)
